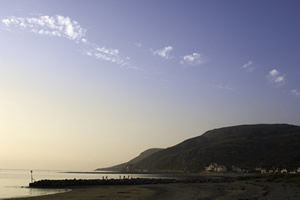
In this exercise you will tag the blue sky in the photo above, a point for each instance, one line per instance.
(140, 74)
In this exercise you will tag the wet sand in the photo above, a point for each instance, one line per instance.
(239, 190)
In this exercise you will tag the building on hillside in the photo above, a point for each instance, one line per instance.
(214, 167)
(221, 168)
(283, 171)
(211, 167)
(263, 171)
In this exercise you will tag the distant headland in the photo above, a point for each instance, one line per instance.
(244, 148)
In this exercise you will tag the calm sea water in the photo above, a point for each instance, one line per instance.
(14, 183)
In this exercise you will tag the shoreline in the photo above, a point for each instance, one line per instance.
(276, 187)
(41, 195)
(250, 189)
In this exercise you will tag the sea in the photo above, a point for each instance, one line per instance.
(14, 182)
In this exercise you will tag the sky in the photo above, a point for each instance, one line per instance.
(88, 84)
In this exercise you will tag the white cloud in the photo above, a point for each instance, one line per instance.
(276, 77)
(274, 72)
(138, 44)
(279, 79)
(248, 66)
(88, 53)
(104, 50)
(59, 26)
(295, 92)
(6, 21)
(108, 54)
(192, 59)
(224, 87)
(164, 52)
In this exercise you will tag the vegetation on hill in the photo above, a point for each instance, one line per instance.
(245, 146)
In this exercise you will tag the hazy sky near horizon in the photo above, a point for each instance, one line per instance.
(87, 84)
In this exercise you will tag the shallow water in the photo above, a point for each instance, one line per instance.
(14, 183)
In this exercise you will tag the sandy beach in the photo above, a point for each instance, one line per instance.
(239, 190)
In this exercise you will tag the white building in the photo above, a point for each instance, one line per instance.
(263, 171)
(214, 167)
(284, 171)
(221, 168)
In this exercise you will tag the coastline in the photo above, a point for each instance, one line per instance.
(97, 192)
(182, 191)
(40, 195)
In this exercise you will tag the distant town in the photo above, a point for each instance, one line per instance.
(218, 168)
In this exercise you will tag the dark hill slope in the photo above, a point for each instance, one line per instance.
(123, 166)
(247, 146)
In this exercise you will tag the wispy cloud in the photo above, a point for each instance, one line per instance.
(138, 44)
(192, 59)
(108, 54)
(276, 77)
(248, 66)
(295, 92)
(61, 26)
(58, 26)
(225, 87)
(164, 52)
